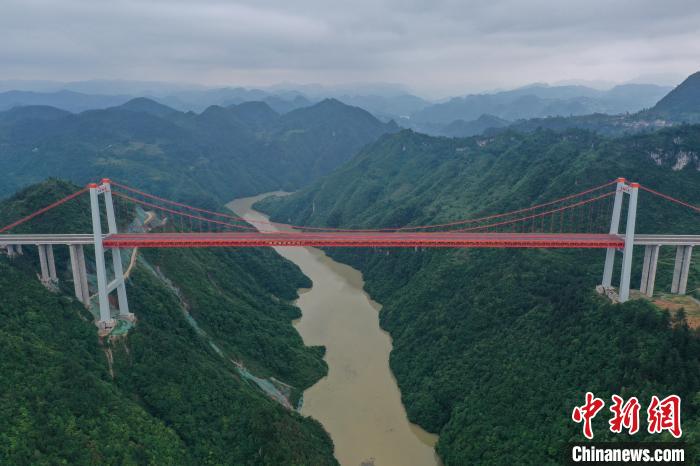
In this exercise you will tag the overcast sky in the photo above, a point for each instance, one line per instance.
(435, 47)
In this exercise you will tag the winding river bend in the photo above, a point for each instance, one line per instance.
(358, 403)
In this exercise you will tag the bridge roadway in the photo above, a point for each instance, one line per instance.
(24, 240)
(354, 239)
(367, 239)
(667, 240)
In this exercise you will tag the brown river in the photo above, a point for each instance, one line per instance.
(358, 403)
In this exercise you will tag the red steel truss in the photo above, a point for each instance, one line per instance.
(364, 240)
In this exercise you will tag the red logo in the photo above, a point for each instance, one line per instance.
(665, 415)
(587, 412)
(662, 415)
(624, 415)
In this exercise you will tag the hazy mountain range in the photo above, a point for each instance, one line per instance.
(681, 105)
(386, 102)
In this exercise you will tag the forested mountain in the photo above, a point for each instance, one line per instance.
(461, 128)
(682, 103)
(170, 391)
(458, 116)
(625, 109)
(219, 154)
(493, 348)
(173, 391)
(463, 355)
(144, 105)
(33, 112)
(539, 101)
(609, 125)
(324, 136)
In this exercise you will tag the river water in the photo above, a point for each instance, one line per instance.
(358, 403)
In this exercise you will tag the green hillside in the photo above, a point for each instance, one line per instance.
(170, 391)
(683, 102)
(212, 157)
(493, 348)
(461, 128)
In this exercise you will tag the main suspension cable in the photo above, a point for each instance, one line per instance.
(43, 210)
(385, 229)
(669, 198)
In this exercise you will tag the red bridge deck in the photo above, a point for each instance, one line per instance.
(363, 240)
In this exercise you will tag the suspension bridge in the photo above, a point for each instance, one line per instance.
(589, 219)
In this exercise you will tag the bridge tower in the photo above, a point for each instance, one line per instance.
(106, 322)
(633, 191)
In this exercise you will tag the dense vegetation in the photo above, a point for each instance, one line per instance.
(222, 153)
(492, 349)
(57, 403)
(683, 102)
(523, 328)
(162, 394)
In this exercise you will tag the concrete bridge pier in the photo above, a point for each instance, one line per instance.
(80, 283)
(13, 250)
(681, 269)
(52, 263)
(44, 265)
(48, 265)
(651, 258)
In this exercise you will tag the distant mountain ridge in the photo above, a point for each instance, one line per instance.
(218, 154)
(624, 108)
(541, 101)
(461, 128)
(258, 115)
(198, 100)
(64, 100)
(385, 102)
(142, 104)
(39, 112)
(681, 105)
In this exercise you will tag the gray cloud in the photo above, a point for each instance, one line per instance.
(438, 47)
